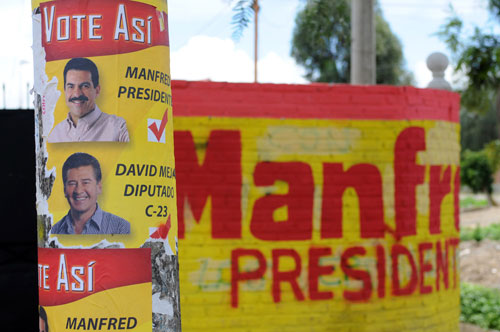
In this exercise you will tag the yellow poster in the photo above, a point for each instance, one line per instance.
(107, 121)
(105, 161)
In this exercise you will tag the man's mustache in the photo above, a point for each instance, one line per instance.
(80, 98)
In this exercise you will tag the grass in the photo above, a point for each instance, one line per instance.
(471, 202)
(478, 233)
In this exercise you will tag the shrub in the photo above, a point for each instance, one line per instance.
(492, 150)
(491, 232)
(476, 172)
(479, 306)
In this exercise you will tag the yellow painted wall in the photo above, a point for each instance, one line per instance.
(357, 276)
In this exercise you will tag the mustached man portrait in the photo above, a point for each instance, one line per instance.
(85, 121)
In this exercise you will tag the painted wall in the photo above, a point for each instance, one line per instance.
(317, 207)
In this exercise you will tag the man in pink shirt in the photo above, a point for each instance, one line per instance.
(85, 121)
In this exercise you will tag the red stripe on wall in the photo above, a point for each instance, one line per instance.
(318, 101)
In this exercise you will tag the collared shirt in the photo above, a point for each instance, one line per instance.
(95, 126)
(100, 223)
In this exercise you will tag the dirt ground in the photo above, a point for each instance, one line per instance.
(480, 262)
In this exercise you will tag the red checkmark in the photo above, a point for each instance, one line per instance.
(159, 131)
(163, 230)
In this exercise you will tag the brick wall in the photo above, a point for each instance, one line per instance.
(317, 207)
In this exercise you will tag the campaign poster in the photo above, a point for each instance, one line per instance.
(94, 289)
(104, 126)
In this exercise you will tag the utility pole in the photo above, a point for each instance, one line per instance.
(27, 95)
(363, 42)
(256, 40)
(106, 199)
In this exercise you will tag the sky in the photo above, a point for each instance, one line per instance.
(201, 46)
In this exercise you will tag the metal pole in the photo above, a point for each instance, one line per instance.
(363, 42)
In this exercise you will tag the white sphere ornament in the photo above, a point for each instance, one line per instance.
(437, 63)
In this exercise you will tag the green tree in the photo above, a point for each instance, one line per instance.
(322, 44)
(476, 173)
(477, 130)
(477, 55)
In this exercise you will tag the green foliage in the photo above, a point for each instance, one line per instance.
(389, 55)
(479, 306)
(469, 234)
(322, 44)
(477, 55)
(450, 33)
(492, 232)
(321, 40)
(471, 202)
(476, 130)
(492, 151)
(243, 11)
(480, 61)
(494, 6)
(478, 233)
(475, 172)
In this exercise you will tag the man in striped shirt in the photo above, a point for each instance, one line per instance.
(82, 185)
